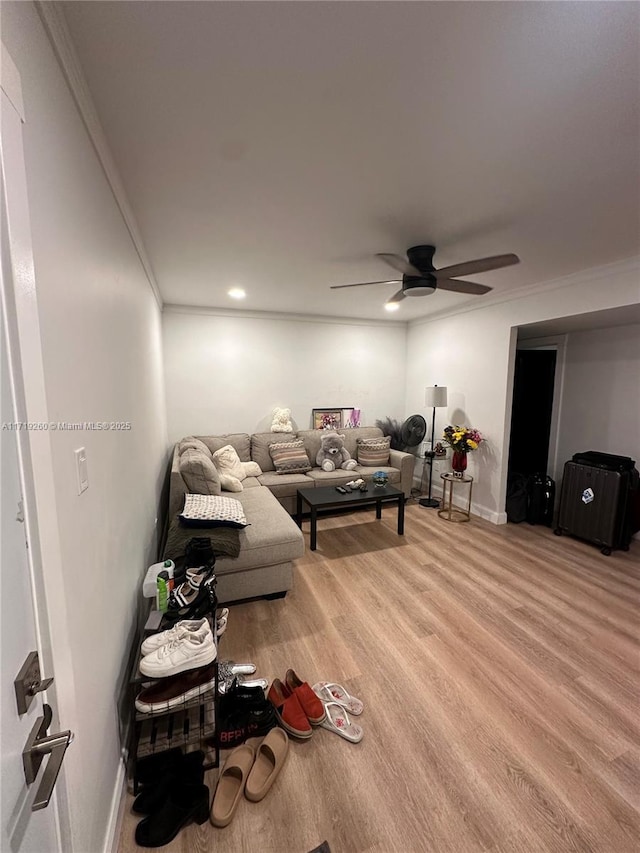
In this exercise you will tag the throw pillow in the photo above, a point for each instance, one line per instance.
(192, 443)
(290, 457)
(373, 451)
(199, 473)
(227, 461)
(212, 511)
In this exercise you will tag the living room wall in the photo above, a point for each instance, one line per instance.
(227, 371)
(472, 353)
(101, 342)
(600, 408)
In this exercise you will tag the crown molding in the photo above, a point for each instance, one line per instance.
(55, 26)
(629, 265)
(171, 308)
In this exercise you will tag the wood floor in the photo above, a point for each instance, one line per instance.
(499, 668)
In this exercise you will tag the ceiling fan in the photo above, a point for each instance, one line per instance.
(420, 278)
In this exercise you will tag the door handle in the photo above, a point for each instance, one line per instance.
(39, 744)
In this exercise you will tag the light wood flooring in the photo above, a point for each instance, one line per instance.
(499, 668)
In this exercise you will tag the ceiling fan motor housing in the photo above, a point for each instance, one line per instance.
(421, 257)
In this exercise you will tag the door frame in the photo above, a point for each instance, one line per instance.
(35, 458)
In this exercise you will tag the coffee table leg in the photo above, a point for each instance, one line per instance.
(314, 529)
(378, 509)
(299, 510)
(401, 515)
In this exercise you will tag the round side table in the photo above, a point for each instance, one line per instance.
(450, 512)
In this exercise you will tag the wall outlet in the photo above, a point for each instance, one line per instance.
(82, 474)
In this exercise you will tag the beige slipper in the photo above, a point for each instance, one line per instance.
(270, 757)
(231, 784)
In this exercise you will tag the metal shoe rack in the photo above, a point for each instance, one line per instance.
(190, 726)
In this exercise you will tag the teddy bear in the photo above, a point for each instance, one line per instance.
(333, 454)
(281, 421)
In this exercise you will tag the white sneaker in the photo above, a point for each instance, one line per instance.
(180, 629)
(179, 655)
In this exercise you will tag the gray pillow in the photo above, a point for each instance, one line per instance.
(199, 473)
(192, 443)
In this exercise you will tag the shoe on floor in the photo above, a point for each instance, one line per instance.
(270, 758)
(185, 803)
(289, 711)
(180, 629)
(189, 770)
(311, 705)
(182, 653)
(231, 784)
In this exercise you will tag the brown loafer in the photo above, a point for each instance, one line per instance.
(231, 784)
(270, 757)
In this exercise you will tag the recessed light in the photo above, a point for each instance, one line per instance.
(391, 306)
(236, 293)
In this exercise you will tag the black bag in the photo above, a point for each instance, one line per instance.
(517, 498)
(243, 712)
(542, 494)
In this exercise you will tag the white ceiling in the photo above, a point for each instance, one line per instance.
(279, 146)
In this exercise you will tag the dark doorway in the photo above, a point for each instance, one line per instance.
(531, 412)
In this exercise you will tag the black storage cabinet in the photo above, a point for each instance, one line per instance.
(595, 501)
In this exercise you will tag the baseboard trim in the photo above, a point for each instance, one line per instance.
(116, 812)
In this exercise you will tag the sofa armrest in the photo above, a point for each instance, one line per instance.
(405, 462)
(177, 486)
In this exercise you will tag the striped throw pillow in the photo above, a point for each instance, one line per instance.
(290, 457)
(373, 451)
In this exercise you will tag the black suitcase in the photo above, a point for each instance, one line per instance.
(595, 499)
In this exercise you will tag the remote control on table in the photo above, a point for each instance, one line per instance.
(342, 490)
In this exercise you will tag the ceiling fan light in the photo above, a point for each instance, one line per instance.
(391, 306)
(420, 290)
(236, 293)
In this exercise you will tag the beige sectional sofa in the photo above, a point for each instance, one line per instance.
(272, 541)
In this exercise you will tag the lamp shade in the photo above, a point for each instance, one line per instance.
(436, 396)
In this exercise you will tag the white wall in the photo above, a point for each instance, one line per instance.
(101, 337)
(600, 408)
(472, 353)
(227, 373)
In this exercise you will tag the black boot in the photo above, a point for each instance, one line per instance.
(185, 803)
(187, 770)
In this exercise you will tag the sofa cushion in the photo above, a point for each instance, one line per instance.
(199, 473)
(373, 451)
(192, 443)
(238, 440)
(367, 473)
(311, 438)
(290, 457)
(285, 485)
(260, 442)
(330, 478)
(212, 511)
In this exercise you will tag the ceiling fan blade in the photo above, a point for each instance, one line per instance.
(363, 284)
(398, 263)
(397, 297)
(463, 286)
(480, 265)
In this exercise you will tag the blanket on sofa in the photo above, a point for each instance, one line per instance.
(225, 540)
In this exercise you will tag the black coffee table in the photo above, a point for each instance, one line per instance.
(326, 497)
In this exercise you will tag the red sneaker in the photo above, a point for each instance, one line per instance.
(289, 711)
(311, 704)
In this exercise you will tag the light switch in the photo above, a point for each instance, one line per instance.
(81, 469)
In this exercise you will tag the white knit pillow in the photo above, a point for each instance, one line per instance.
(213, 511)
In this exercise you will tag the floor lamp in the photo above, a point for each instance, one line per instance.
(436, 397)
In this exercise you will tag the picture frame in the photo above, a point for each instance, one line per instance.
(327, 418)
(350, 418)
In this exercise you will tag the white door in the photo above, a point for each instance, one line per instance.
(27, 512)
